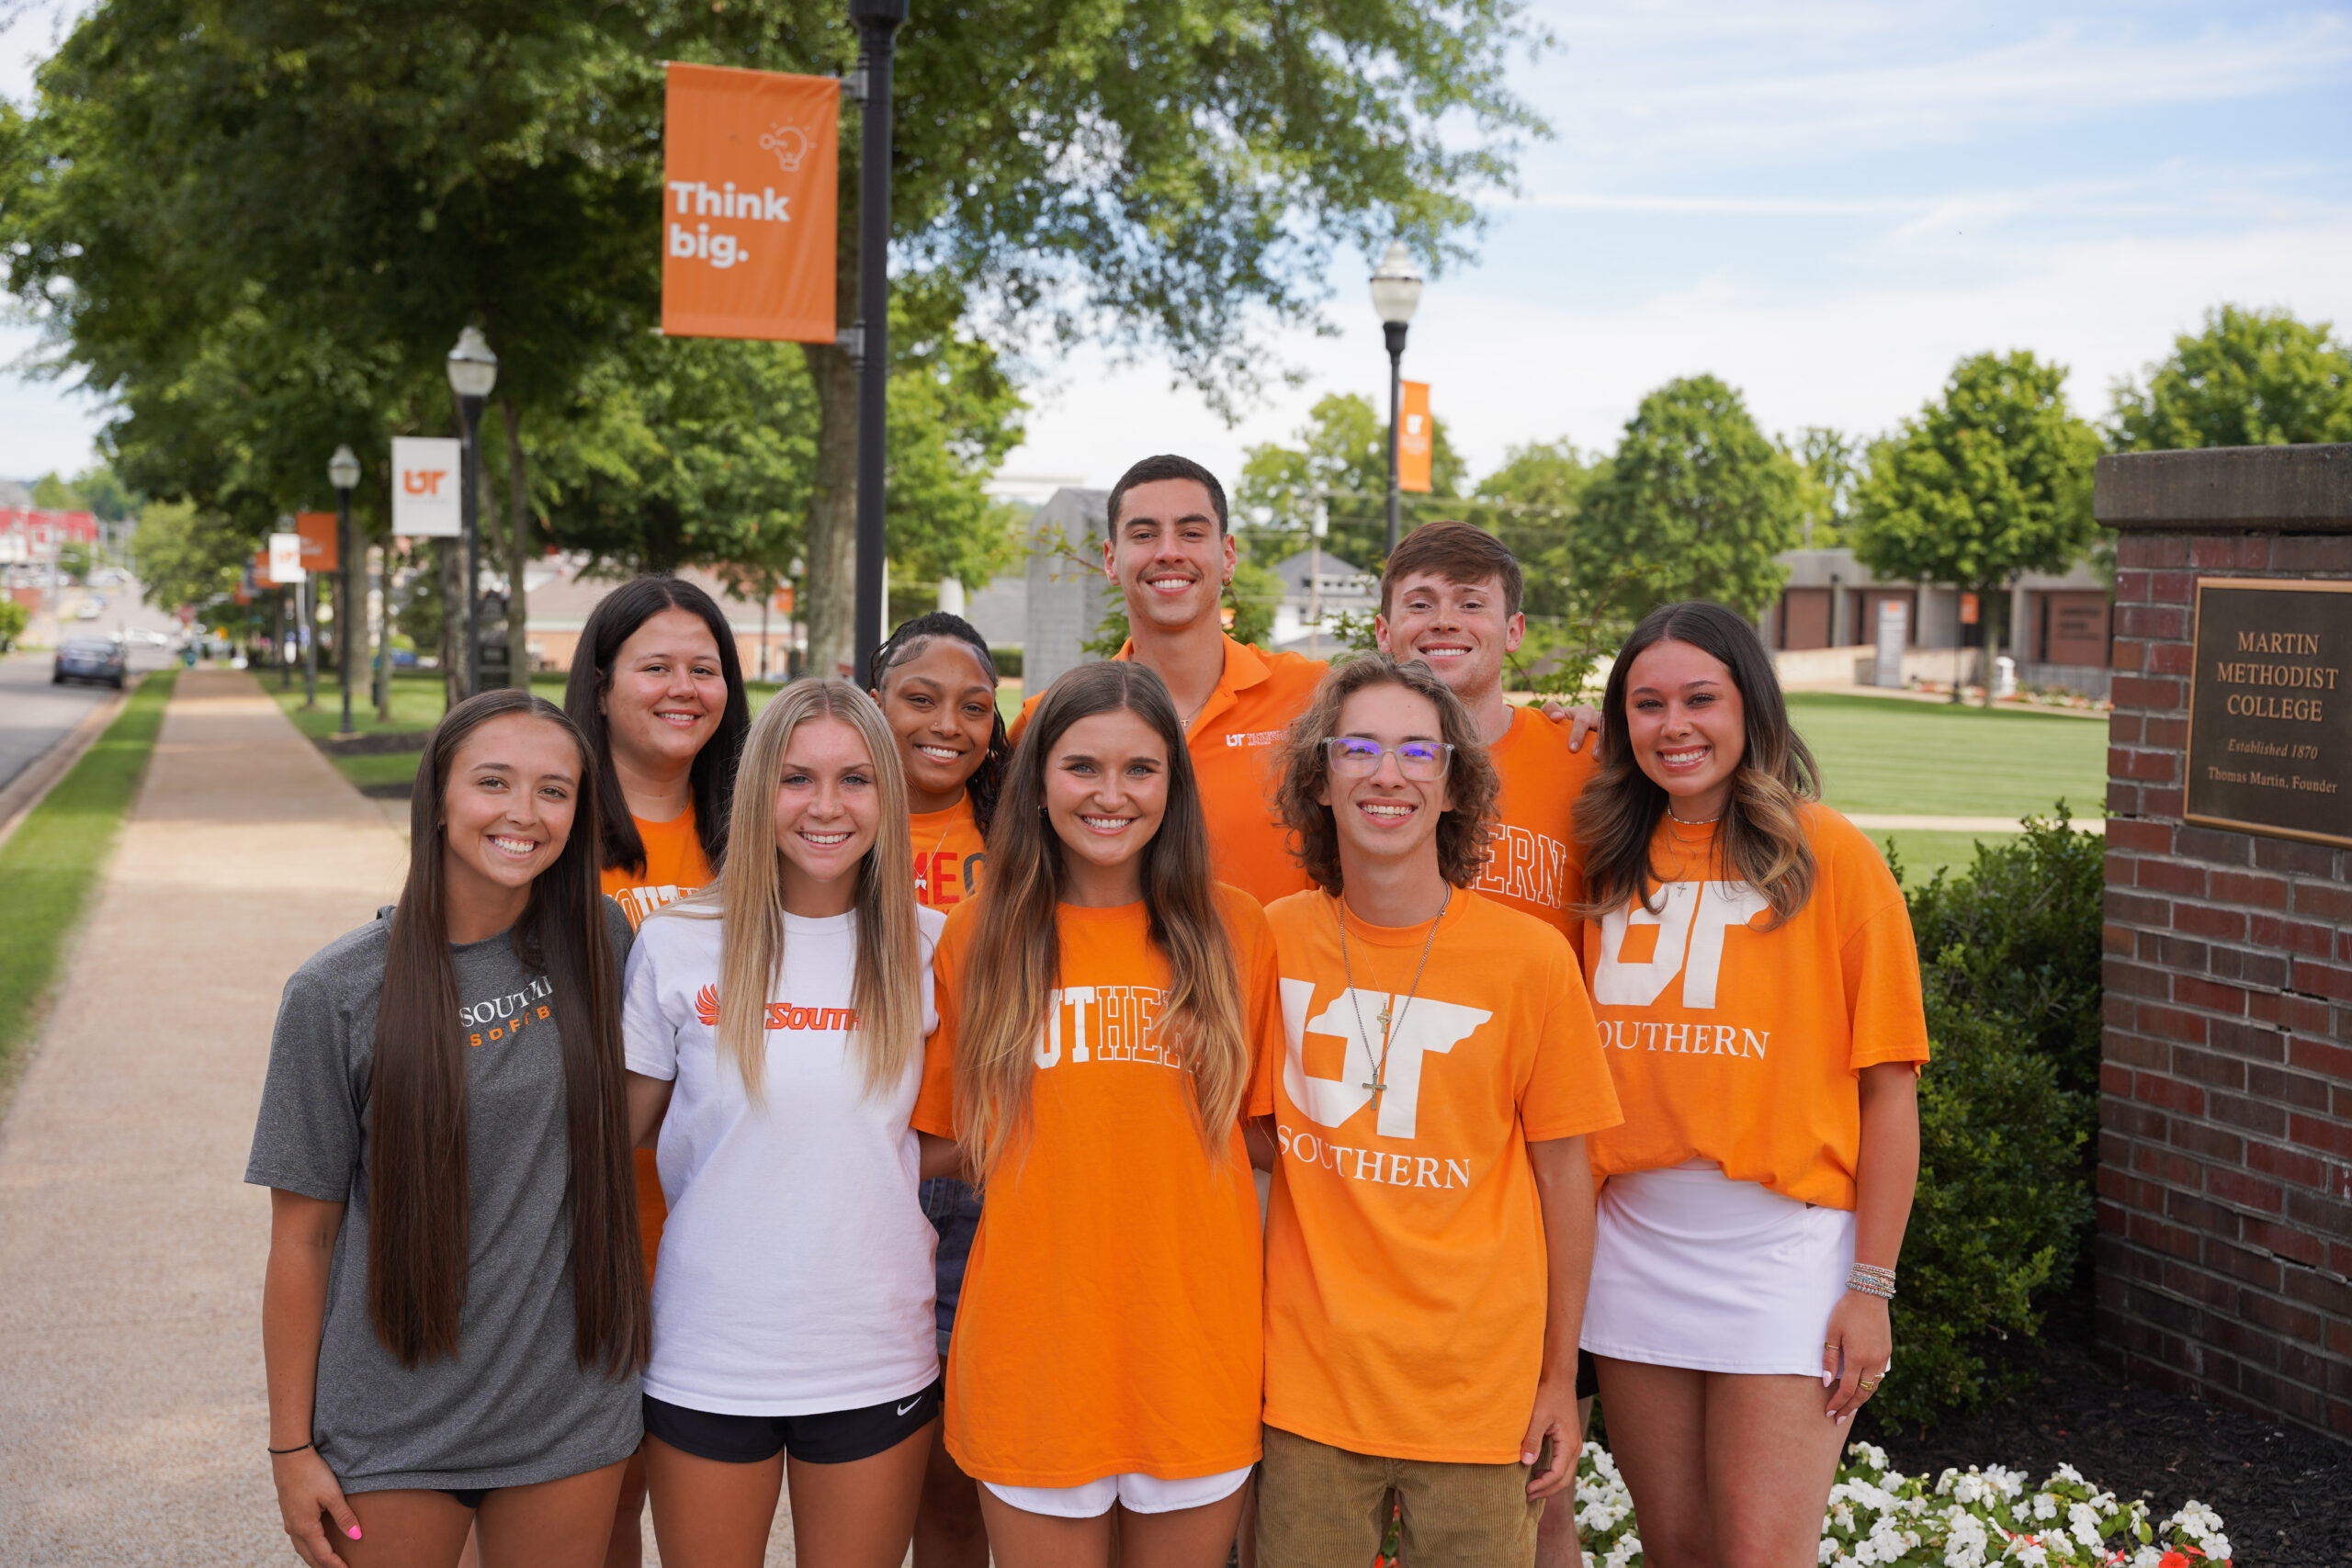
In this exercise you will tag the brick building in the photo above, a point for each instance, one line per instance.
(2225, 1146)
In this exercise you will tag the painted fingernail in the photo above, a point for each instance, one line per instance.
(352, 1532)
(1827, 1377)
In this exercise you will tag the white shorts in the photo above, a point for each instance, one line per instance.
(1137, 1494)
(1692, 1268)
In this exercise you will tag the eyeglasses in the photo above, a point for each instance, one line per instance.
(1423, 762)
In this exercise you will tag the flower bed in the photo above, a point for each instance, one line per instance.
(1962, 1519)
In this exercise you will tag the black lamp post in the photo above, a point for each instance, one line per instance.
(342, 472)
(1396, 292)
(473, 371)
(877, 26)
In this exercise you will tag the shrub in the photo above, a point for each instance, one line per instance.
(2009, 963)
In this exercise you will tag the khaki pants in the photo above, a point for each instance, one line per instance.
(1324, 1507)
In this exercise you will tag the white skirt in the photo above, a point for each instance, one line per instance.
(1690, 1269)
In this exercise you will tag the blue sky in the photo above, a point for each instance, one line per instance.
(1826, 202)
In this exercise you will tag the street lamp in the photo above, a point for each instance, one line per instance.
(1396, 291)
(473, 371)
(342, 472)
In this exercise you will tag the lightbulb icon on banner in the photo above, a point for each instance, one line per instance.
(789, 143)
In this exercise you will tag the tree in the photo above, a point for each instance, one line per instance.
(1341, 461)
(1532, 503)
(188, 557)
(2250, 379)
(1696, 505)
(1991, 481)
(1827, 466)
(1161, 174)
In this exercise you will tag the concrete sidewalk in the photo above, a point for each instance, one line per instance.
(131, 1411)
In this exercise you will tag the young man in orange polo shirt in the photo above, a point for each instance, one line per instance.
(1171, 554)
(1432, 1227)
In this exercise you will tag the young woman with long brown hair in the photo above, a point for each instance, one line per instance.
(1754, 976)
(936, 683)
(657, 690)
(1104, 1009)
(454, 1314)
(775, 1028)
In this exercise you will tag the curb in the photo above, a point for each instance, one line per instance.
(31, 788)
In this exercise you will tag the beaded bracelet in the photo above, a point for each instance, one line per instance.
(1871, 1280)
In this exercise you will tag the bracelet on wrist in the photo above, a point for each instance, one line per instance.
(1870, 1279)
(295, 1449)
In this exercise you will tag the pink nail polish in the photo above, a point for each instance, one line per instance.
(352, 1532)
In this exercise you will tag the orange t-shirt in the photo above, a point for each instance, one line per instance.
(949, 852)
(1739, 1045)
(1405, 1262)
(674, 867)
(1533, 862)
(1110, 1317)
(1235, 741)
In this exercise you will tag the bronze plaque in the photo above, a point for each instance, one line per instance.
(2271, 710)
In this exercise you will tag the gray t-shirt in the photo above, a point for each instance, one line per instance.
(514, 1406)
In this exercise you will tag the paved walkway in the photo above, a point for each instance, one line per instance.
(1886, 821)
(131, 1413)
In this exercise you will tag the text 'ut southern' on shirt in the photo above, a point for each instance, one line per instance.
(1734, 1040)
(1405, 1259)
(796, 1268)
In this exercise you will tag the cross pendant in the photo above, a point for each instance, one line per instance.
(1382, 1016)
(1375, 1088)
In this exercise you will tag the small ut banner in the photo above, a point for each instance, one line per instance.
(748, 167)
(285, 558)
(1413, 442)
(426, 475)
(322, 548)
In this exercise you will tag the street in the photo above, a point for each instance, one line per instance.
(35, 714)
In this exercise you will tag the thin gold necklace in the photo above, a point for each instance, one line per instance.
(1379, 1084)
(922, 877)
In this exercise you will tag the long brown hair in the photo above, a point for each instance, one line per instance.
(419, 1184)
(1471, 783)
(1014, 965)
(1762, 839)
(886, 990)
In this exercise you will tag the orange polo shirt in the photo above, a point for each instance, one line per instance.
(1235, 741)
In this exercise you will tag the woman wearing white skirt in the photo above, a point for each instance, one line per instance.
(1753, 971)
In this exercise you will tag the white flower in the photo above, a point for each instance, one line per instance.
(2045, 1506)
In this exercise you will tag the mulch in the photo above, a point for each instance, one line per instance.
(2284, 1493)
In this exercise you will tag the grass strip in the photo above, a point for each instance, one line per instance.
(56, 856)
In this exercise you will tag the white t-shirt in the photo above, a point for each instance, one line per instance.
(794, 1277)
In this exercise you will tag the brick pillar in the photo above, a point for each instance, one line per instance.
(2225, 1253)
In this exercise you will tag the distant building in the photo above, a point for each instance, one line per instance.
(558, 600)
(1319, 587)
(31, 535)
(2061, 624)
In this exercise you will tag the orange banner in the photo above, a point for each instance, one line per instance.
(749, 159)
(322, 543)
(1413, 442)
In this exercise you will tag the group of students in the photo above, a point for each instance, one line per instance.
(948, 1053)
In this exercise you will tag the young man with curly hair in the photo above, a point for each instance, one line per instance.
(1432, 1222)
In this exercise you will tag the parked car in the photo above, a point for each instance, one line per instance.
(89, 609)
(90, 658)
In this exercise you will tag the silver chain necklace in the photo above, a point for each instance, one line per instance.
(1379, 1084)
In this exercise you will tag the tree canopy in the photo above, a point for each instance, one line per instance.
(1696, 504)
(1339, 459)
(1990, 480)
(2250, 379)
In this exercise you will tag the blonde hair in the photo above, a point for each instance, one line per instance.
(1015, 960)
(886, 996)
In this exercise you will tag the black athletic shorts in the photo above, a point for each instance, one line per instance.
(835, 1437)
(1588, 1375)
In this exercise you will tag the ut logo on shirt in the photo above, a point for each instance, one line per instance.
(642, 900)
(1424, 1028)
(780, 1015)
(1105, 1023)
(1642, 950)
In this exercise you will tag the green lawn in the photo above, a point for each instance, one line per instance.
(1931, 759)
(56, 856)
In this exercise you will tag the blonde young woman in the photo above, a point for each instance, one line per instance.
(1753, 972)
(1104, 1008)
(774, 1028)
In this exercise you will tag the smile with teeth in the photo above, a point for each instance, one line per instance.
(1688, 756)
(1387, 810)
(1443, 650)
(506, 845)
(823, 840)
(1168, 584)
(1105, 824)
(673, 716)
(938, 753)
